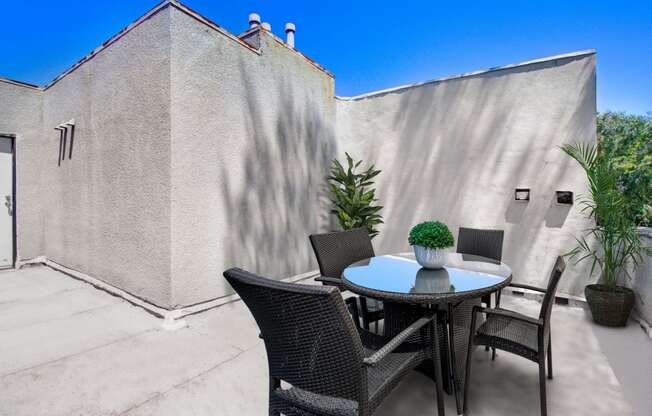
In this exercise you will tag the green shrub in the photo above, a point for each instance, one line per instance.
(354, 201)
(626, 141)
(431, 234)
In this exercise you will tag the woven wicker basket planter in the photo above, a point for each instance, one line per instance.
(609, 307)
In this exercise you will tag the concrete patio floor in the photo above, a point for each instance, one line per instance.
(67, 348)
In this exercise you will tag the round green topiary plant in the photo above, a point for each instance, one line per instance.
(431, 234)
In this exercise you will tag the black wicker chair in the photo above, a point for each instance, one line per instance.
(337, 250)
(485, 243)
(519, 334)
(314, 348)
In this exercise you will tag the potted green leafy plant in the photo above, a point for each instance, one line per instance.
(353, 196)
(430, 240)
(612, 243)
(626, 139)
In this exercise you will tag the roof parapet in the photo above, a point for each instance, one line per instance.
(20, 83)
(400, 88)
(152, 12)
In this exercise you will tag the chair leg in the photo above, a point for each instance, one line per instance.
(487, 300)
(550, 357)
(542, 386)
(352, 303)
(364, 311)
(273, 405)
(497, 295)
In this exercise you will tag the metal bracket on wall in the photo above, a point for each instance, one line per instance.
(62, 133)
(63, 138)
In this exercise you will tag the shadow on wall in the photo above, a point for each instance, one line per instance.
(473, 144)
(557, 213)
(284, 197)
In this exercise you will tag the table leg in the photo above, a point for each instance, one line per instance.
(436, 359)
(459, 331)
(399, 316)
(451, 337)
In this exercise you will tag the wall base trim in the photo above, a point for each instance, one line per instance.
(645, 325)
(172, 319)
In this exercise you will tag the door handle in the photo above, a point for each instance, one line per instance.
(9, 205)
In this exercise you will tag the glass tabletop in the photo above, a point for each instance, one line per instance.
(401, 274)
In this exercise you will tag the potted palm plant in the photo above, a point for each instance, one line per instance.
(612, 243)
(430, 240)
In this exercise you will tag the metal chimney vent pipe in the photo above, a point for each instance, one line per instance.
(267, 26)
(289, 32)
(254, 20)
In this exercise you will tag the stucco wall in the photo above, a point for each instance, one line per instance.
(194, 153)
(21, 114)
(106, 211)
(455, 151)
(252, 137)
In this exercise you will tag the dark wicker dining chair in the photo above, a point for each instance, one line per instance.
(315, 350)
(485, 243)
(337, 250)
(519, 334)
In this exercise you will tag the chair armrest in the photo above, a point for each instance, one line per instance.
(395, 342)
(528, 287)
(329, 280)
(509, 314)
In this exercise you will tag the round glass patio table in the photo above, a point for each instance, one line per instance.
(451, 292)
(400, 278)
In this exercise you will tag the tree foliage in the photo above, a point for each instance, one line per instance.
(353, 196)
(626, 141)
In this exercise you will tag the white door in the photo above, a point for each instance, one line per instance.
(6, 203)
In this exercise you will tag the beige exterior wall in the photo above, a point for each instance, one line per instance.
(252, 138)
(194, 153)
(106, 211)
(455, 151)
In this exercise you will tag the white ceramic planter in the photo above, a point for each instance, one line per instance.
(432, 281)
(430, 258)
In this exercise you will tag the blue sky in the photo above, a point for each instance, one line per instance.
(370, 45)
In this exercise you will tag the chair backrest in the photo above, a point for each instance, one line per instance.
(335, 251)
(551, 290)
(310, 339)
(485, 243)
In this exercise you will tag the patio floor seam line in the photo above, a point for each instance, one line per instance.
(61, 318)
(189, 380)
(137, 334)
(35, 298)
